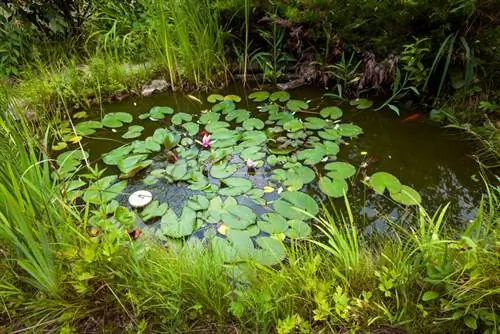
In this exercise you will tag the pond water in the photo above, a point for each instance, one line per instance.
(434, 162)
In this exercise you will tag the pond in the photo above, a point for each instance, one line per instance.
(267, 154)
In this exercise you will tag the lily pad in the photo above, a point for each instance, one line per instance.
(272, 223)
(191, 128)
(178, 227)
(281, 96)
(271, 251)
(242, 243)
(145, 146)
(158, 112)
(209, 117)
(315, 123)
(340, 170)
(349, 130)
(333, 188)
(253, 124)
(297, 105)
(215, 126)
(253, 153)
(104, 190)
(382, 180)
(361, 103)
(238, 115)
(198, 203)
(154, 210)
(331, 112)
(114, 156)
(238, 216)
(133, 131)
(406, 196)
(232, 97)
(290, 201)
(213, 98)
(87, 128)
(298, 229)
(259, 96)
(312, 156)
(132, 164)
(116, 119)
(235, 186)
(330, 134)
(224, 106)
(223, 170)
(178, 170)
(181, 117)
(294, 125)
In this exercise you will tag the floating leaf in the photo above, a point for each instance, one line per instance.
(294, 125)
(181, 117)
(289, 202)
(252, 153)
(235, 186)
(178, 170)
(223, 170)
(232, 97)
(198, 203)
(209, 117)
(268, 189)
(382, 180)
(134, 131)
(330, 134)
(238, 216)
(298, 229)
(297, 105)
(60, 146)
(333, 188)
(154, 210)
(132, 164)
(315, 123)
(361, 103)
(191, 128)
(406, 196)
(114, 156)
(253, 124)
(280, 96)
(272, 223)
(87, 128)
(178, 227)
(349, 130)
(311, 156)
(259, 96)
(241, 242)
(81, 114)
(104, 190)
(158, 112)
(331, 112)
(340, 170)
(145, 146)
(216, 126)
(171, 140)
(213, 98)
(271, 251)
(224, 106)
(238, 115)
(116, 119)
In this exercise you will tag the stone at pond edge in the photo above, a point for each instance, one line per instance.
(155, 85)
(140, 198)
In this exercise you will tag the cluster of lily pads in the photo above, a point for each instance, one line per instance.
(227, 157)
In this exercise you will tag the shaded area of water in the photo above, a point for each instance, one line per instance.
(434, 161)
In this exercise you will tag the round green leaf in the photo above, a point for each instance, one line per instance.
(333, 188)
(340, 170)
(253, 123)
(406, 196)
(296, 105)
(290, 201)
(382, 180)
(331, 112)
(259, 96)
(116, 119)
(213, 98)
(280, 96)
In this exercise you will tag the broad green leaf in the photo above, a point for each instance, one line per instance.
(253, 153)
(331, 112)
(124, 217)
(116, 119)
(340, 170)
(253, 124)
(235, 186)
(311, 156)
(406, 196)
(259, 96)
(133, 131)
(298, 229)
(382, 180)
(315, 123)
(271, 251)
(238, 115)
(159, 112)
(280, 96)
(213, 98)
(104, 190)
(87, 128)
(154, 210)
(223, 170)
(237, 216)
(333, 188)
(209, 117)
(294, 125)
(349, 130)
(330, 134)
(178, 170)
(430, 295)
(216, 126)
(191, 128)
(290, 201)
(224, 106)
(273, 223)
(198, 203)
(297, 105)
(241, 242)
(361, 103)
(145, 146)
(181, 117)
(232, 97)
(178, 227)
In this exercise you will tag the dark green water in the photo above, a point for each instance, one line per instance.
(434, 161)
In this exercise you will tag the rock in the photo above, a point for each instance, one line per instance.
(155, 86)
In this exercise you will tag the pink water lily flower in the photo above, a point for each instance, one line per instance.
(205, 142)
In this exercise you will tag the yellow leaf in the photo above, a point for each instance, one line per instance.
(75, 139)
(60, 146)
(279, 236)
(268, 189)
(222, 229)
(364, 153)
(194, 98)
